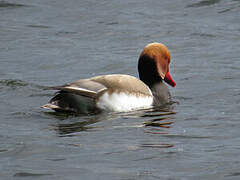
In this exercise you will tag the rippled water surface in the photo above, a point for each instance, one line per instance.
(53, 42)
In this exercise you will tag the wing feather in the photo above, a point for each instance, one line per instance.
(92, 87)
(84, 87)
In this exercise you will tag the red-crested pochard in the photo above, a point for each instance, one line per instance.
(119, 92)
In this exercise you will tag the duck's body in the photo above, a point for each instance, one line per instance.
(118, 92)
(115, 92)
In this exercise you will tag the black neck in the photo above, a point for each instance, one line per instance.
(148, 71)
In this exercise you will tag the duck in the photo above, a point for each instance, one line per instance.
(119, 92)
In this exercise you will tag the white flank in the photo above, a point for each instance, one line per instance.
(122, 102)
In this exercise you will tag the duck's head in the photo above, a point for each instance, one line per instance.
(153, 65)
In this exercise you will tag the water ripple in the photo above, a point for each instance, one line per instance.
(27, 174)
(5, 4)
(13, 83)
(17, 84)
(204, 3)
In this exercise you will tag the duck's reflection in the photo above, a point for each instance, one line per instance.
(69, 124)
(154, 120)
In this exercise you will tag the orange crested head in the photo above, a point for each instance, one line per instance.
(153, 64)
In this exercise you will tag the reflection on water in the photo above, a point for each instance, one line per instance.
(152, 118)
(152, 121)
(80, 123)
(158, 123)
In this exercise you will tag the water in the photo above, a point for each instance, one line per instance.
(53, 42)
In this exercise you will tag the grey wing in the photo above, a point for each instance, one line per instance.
(84, 87)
